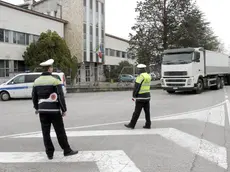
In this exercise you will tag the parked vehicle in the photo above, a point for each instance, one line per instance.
(194, 69)
(21, 85)
(126, 78)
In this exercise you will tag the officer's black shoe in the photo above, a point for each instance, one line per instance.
(147, 127)
(50, 157)
(70, 153)
(129, 126)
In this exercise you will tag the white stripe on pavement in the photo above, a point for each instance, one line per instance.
(210, 151)
(121, 122)
(107, 161)
(215, 116)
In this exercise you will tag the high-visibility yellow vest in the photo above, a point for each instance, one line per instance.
(145, 80)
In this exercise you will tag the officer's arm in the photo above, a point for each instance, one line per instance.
(61, 98)
(137, 85)
(35, 97)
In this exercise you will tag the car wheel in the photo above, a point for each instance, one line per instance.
(5, 96)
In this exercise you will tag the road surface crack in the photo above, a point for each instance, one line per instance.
(201, 140)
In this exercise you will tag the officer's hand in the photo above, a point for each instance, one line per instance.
(36, 112)
(64, 114)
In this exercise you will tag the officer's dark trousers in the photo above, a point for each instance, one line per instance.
(139, 105)
(57, 121)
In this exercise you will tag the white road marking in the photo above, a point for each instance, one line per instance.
(166, 117)
(210, 151)
(227, 104)
(107, 161)
(215, 116)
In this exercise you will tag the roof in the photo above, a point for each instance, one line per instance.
(31, 12)
(38, 2)
(115, 37)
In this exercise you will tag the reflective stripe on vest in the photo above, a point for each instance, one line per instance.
(145, 80)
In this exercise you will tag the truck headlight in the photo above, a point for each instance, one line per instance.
(189, 82)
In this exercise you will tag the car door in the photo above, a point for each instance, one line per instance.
(29, 80)
(18, 86)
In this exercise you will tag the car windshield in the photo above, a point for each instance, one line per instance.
(177, 58)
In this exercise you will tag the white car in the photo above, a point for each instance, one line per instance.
(21, 85)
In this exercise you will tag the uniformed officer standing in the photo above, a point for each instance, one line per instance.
(142, 95)
(49, 102)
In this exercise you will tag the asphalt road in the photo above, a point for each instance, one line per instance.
(189, 133)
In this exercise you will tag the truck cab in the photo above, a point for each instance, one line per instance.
(182, 68)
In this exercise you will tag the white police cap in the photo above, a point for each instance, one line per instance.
(141, 66)
(47, 63)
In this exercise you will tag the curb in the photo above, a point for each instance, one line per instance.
(97, 89)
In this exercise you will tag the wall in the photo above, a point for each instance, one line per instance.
(72, 11)
(117, 44)
(15, 20)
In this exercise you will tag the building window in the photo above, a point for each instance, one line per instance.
(123, 54)
(102, 8)
(91, 56)
(84, 30)
(87, 73)
(1, 35)
(102, 33)
(21, 39)
(84, 3)
(4, 35)
(96, 6)
(91, 46)
(35, 38)
(112, 52)
(106, 51)
(7, 36)
(118, 53)
(91, 4)
(84, 44)
(4, 68)
(97, 31)
(84, 55)
(27, 39)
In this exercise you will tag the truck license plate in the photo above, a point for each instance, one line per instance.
(175, 88)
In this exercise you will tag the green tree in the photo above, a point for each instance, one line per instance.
(51, 45)
(163, 24)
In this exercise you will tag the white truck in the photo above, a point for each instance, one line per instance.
(194, 69)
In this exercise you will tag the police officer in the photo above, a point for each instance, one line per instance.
(49, 102)
(141, 94)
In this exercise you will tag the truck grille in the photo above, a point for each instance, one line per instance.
(175, 80)
(175, 73)
(176, 85)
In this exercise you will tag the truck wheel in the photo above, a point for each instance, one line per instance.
(221, 83)
(200, 87)
(218, 83)
(171, 92)
(4, 96)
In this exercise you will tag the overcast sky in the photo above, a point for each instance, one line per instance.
(216, 12)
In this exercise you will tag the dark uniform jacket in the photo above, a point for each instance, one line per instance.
(45, 86)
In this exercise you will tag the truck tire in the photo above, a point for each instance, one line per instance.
(171, 92)
(218, 83)
(200, 86)
(5, 96)
(227, 79)
(222, 83)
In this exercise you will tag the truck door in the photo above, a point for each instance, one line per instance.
(198, 68)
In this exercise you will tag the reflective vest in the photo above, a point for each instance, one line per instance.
(145, 80)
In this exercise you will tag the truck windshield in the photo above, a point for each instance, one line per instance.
(177, 58)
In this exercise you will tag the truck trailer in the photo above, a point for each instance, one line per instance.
(194, 69)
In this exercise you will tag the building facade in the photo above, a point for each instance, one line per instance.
(80, 22)
(18, 28)
(84, 33)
